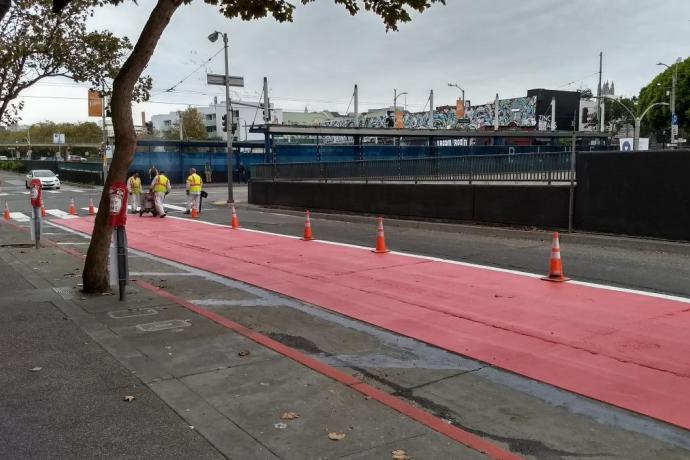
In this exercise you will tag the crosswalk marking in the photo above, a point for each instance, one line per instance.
(24, 193)
(60, 213)
(53, 191)
(3, 194)
(95, 209)
(19, 217)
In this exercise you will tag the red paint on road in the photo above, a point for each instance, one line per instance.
(626, 349)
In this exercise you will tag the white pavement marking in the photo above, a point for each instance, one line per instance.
(174, 207)
(95, 209)
(161, 274)
(60, 213)
(118, 314)
(24, 193)
(76, 190)
(3, 194)
(53, 191)
(19, 217)
(163, 325)
(71, 242)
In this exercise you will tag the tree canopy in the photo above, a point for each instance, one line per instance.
(38, 44)
(192, 126)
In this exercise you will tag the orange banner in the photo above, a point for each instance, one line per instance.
(399, 119)
(459, 109)
(95, 104)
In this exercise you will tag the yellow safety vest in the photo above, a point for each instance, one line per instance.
(135, 184)
(160, 185)
(194, 183)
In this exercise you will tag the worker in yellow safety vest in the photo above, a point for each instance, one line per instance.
(194, 185)
(160, 186)
(134, 189)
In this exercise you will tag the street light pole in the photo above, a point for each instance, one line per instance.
(674, 82)
(638, 120)
(455, 85)
(228, 117)
(228, 113)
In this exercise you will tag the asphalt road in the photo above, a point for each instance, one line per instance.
(646, 264)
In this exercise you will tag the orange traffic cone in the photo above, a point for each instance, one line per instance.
(43, 210)
(307, 228)
(6, 213)
(380, 239)
(91, 210)
(555, 263)
(195, 213)
(234, 223)
(72, 209)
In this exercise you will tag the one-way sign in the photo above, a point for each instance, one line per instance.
(217, 79)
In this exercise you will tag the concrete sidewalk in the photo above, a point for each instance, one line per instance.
(201, 390)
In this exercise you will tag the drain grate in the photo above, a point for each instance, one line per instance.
(18, 245)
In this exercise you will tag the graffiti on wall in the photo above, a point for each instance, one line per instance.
(515, 113)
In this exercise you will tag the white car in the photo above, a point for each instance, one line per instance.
(48, 178)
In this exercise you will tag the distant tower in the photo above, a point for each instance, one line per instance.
(608, 89)
(305, 109)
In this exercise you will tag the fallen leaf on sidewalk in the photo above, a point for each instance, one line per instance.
(129, 398)
(289, 416)
(280, 425)
(336, 436)
(243, 353)
(36, 369)
(400, 455)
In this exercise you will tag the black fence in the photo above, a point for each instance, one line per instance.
(524, 167)
(81, 172)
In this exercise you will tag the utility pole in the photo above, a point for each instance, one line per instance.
(571, 198)
(674, 119)
(395, 98)
(356, 97)
(431, 109)
(180, 122)
(228, 117)
(105, 134)
(495, 113)
(267, 107)
(553, 113)
(601, 57)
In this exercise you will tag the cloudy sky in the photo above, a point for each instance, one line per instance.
(503, 46)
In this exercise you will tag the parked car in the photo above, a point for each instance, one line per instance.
(3, 158)
(48, 178)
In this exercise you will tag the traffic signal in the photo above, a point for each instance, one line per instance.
(149, 127)
(225, 123)
(234, 127)
(266, 112)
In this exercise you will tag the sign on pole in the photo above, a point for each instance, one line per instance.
(217, 79)
(95, 104)
(58, 138)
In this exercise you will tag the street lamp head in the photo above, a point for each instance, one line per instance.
(661, 63)
(214, 37)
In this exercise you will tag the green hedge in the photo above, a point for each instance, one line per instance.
(12, 165)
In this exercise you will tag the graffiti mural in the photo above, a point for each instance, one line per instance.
(515, 113)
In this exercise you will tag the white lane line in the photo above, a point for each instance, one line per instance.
(53, 191)
(3, 194)
(465, 264)
(19, 217)
(174, 207)
(72, 242)
(76, 190)
(24, 193)
(161, 274)
(60, 213)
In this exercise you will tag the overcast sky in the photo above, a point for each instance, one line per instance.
(503, 46)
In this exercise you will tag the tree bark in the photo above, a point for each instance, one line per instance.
(95, 273)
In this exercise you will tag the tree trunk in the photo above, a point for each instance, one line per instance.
(95, 274)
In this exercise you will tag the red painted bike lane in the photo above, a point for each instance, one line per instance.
(626, 349)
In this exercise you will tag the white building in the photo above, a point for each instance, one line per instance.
(244, 114)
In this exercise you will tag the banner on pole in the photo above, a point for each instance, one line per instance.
(95, 104)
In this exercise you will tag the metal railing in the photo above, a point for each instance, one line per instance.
(526, 167)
